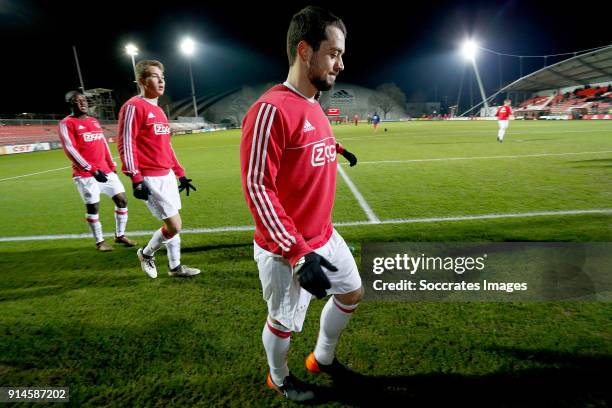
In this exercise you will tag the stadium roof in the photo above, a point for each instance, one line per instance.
(591, 67)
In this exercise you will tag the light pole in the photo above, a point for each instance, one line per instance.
(76, 59)
(132, 51)
(469, 51)
(188, 48)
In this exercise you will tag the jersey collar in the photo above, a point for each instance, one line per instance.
(294, 89)
(151, 101)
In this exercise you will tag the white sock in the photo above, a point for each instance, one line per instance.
(334, 318)
(121, 218)
(95, 226)
(155, 243)
(276, 339)
(173, 246)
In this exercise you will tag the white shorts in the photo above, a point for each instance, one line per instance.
(287, 300)
(89, 188)
(164, 201)
(503, 124)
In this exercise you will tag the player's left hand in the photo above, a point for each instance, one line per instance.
(350, 157)
(100, 176)
(185, 184)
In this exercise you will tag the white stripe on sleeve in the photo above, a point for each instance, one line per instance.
(255, 157)
(71, 149)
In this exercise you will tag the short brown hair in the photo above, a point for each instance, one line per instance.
(143, 66)
(310, 25)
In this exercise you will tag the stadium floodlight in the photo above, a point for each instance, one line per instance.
(188, 48)
(132, 51)
(469, 50)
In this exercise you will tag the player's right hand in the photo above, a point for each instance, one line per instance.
(100, 176)
(141, 190)
(311, 275)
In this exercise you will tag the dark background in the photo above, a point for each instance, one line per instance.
(412, 45)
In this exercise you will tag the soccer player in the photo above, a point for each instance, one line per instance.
(375, 121)
(93, 169)
(288, 160)
(149, 160)
(503, 115)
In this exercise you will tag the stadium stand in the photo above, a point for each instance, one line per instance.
(15, 132)
(21, 132)
(571, 88)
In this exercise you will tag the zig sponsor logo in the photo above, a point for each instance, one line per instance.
(323, 153)
(161, 129)
(91, 136)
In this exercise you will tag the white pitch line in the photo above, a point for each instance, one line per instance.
(337, 224)
(518, 156)
(33, 174)
(495, 216)
(445, 132)
(362, 202)
(45, 171)
(131, 234)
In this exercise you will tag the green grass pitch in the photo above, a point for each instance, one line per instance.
(70, 316)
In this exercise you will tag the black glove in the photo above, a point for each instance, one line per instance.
(186, 185)
(141, 190)
(311, 275)
(100, 176)
(350, 157)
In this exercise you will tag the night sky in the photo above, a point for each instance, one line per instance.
(245, 44)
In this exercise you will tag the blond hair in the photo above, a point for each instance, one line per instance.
(142, 68)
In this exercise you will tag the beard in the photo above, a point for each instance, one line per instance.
(318, 79)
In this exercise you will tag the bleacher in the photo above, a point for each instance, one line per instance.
(538, 100)
(21, 132)
(564, 106)
(17, 132)
(593, 100)
(539, 103)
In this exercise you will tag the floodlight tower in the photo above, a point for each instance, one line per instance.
(188, 49)
(469, 51)
(132, 51)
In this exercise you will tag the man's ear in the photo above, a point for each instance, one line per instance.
(304, 51)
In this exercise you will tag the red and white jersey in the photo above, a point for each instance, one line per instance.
(503, 112)
(144, 141)
(288, 168)
(85, 145)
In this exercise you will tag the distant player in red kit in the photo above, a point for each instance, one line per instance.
(93, 169)
(288, 160)
(356, 119)
(503, 115)
(149, 160)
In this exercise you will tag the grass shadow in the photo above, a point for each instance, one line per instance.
(562, 380)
